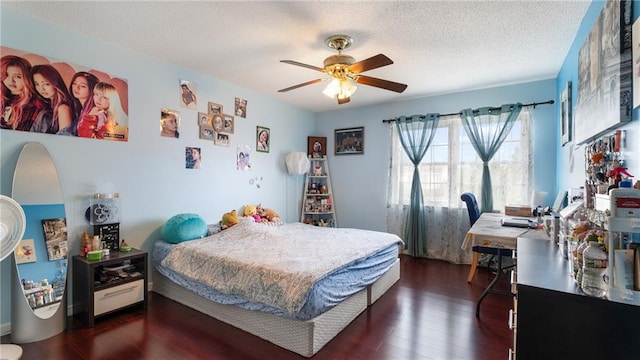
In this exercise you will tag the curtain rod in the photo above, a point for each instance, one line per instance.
(549, 102)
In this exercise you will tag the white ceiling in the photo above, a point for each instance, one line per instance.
(437, 46)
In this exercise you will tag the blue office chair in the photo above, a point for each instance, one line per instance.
(472, 207)
(474, 214)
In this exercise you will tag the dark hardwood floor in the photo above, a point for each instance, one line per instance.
(428, 314)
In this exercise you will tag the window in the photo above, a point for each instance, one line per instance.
(451, 167)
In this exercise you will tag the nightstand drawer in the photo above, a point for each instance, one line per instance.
(118, 296)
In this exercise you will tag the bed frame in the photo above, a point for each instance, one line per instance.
(303, 337)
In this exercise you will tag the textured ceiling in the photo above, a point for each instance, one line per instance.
(437, 46)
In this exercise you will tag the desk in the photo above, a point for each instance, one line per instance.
(551, 310)
(487, 231)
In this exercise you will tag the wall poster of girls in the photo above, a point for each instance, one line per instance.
(54, 97)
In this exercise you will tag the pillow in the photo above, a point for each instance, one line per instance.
(183, 227)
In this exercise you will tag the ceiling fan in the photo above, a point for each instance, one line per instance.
(344, 71)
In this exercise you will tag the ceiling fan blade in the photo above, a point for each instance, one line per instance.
(343, 100)
(291, 62)
(383, 84)
(301, 85)
(373, 62)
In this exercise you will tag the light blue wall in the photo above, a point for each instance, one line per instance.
(148, 171)
(360, 181)
(573, 177)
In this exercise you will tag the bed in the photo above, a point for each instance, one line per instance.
(294, 285)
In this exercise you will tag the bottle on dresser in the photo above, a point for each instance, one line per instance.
(594, 269)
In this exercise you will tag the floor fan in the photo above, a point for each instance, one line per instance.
(12, 227)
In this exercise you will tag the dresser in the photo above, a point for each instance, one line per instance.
(554, 319)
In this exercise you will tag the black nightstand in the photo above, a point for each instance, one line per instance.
(113, 283)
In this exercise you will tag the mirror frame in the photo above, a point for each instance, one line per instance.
(36, 183)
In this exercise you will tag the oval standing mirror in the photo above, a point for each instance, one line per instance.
(38, 308)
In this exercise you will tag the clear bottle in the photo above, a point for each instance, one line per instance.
(573, 256)
(579, 261)
(32, 300)
(95, 245)
(594, 270)
(39, 299)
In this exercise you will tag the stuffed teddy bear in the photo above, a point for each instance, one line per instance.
(267, 216)
(271, 215)
(252, 212)
(229, 219)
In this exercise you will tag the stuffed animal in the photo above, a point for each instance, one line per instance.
(317, 170)
(271, 215)
(252, 212)
(260, 211)
(268, 216)
(229, 219)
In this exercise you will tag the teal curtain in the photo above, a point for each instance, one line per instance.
(416, 133)
(487, 128)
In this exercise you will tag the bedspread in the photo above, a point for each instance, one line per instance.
(275, 266)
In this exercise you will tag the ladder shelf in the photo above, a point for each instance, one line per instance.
(317, 204)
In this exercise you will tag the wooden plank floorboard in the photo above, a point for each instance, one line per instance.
(428, 314)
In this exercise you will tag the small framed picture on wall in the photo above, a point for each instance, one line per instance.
(228, 123)
(263, 139)
(26, 252)
(169, 123)
(218, 122)
(206, 132)
(243, 160)
(193, 158)
(241, 107)
(214, 108)
(635, 50)
(220, 139)
(188, 97)
(316, 146)
(566, 122)
(55, 237)
(204, 119)
(349, 141)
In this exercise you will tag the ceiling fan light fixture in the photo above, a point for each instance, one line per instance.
(340, 88)
(343, 71)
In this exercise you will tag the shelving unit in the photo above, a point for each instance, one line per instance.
(105, 286)
(621, 260)
(623, 243)
(603, 164)
(317, 204)
(41, 296)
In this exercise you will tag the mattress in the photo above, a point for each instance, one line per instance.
(329, 290)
